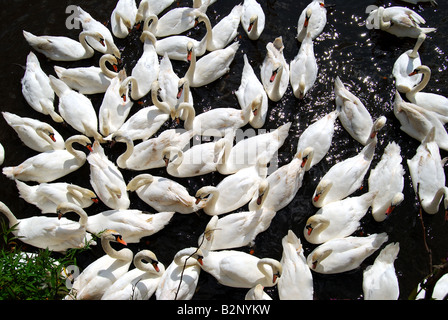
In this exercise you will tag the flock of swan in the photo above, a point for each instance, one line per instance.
(121, 274)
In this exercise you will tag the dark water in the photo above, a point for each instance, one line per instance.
(362, 58)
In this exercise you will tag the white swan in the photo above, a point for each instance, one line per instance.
(296, 282)
(215, 122)
(132, 224)
(123, 16)
(175, 46)
(319, 136)
(49, 232)
(99, 275)
(107, 180)
(234, 191)
(245, 153)
(417, 121)
(36, 88)
(429, 101)
(283, 183)
(253, 19)
(235, 230)
(400, 21)
(303, 69)
(198, 160)
(312, 20)
(344, 254)
(163, 194)
(180, 279)
(145, 71)
(380, 281)
(257, 293)
(354, 115)
(403, 66)
(428, 175)
(274, 70)
(35, 134)
(211, 66)
(172, 90)
(114, 110)
(225, 31)
(147, 121)
(58, 48)
(239, 269)
(337, 219)
(148, 7)
(139, 283)
(90, 24)
(178, 20)
(149, 153)
(251, 94)
(47, 196)
(344, 177)
(76, 109)
(51, 165)
(89, 80)
(387, 178)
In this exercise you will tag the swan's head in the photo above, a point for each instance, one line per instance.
(47, 130)
(200, 17)
(308, 13)
(65, 207)
(204, 193)
(420, 69)
(190, 49)
(150, 23)
(181, 85)
(321, 191)
(82, 140)
(189, 256)
(377, 126)
(148, 35)
(149, 257)
(263, 190)
(256, 104)
(318, 256)
(315, 222)
(275, 70)
(112, 236)
(396, 200)
(252, 21)
(306, 156)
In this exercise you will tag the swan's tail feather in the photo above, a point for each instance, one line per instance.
(10, 172)
(25, 191)
(59, 71)
(389, 253)
(428, 30)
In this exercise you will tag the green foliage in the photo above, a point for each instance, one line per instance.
(31, 276)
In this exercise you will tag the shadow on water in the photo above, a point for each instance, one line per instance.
(362, 58)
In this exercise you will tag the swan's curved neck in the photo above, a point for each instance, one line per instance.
(75, 191)
(275, 91)
(222, 165)
(83, 40)
(191, 114)
(184, 254)
(426, 76)
(81, 213)
(8, 213)
(123, 254)
(76, 153)
(162, 105)
(112, 60)
(129, 150)
(139, 181)
(432, 205)
(174, 164)
(135, 90)
(214, 194)
(276, 268)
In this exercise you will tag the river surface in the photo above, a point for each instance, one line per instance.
(361, 57)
